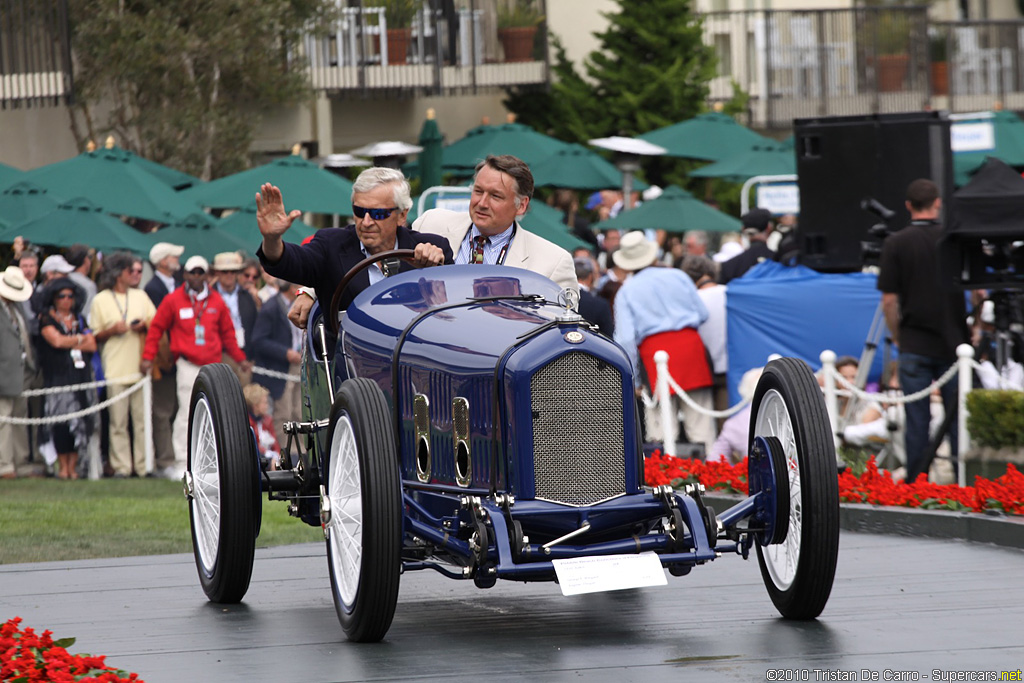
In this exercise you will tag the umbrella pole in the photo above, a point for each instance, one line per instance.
(627, 190)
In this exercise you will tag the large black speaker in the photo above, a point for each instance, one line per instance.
(843, 160)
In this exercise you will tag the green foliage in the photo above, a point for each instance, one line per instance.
(996, 418)
(183, 83)
(398, 13)
(518, 13)
(44, 520)
(652, 69)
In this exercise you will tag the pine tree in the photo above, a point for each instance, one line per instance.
(651, 70)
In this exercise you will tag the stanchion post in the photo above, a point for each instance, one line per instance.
(828, 367)
(661, 390)
(147, 419)
(965, 360)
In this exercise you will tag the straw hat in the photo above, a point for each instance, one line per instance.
(14, 286)
(635, 251)
(227, 261)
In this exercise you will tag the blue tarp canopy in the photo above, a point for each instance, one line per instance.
(797, 312)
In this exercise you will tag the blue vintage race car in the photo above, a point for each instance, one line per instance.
(473, 424)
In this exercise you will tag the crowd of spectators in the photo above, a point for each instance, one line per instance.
(75, 317)
(78, 318)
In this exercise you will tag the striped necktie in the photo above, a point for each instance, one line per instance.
(478, 249)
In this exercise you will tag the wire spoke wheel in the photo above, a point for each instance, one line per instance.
(798, 571)
(363, 511)
(222, 484)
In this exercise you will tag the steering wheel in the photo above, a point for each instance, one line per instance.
(332, 313)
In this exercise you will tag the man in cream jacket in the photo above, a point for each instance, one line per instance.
(491, 233)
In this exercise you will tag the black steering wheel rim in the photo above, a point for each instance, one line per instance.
(332, 313)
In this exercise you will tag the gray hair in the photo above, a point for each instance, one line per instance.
(375, 176)
(584, 267)
(699, 236)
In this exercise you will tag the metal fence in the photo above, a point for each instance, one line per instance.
(446, 48)
(35, 53)
(821, 62)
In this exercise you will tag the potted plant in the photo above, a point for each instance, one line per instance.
(937, 49)
(399, 15)
(517, 27)
(893, 46)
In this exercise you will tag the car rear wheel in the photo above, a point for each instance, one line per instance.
(222, 483)
(362, 511)
(798, 571)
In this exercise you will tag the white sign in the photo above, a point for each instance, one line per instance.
(460, 204)
(972, 137)
(608, 573)
(781, 198)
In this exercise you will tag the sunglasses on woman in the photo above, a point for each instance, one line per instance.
(65, 296)
(375, 214)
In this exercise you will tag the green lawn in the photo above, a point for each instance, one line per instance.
(43, 520)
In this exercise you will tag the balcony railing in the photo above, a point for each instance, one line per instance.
(35, 53)
(862, 61)
(444, 51)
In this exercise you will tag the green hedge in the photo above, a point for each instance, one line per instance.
(996, 418)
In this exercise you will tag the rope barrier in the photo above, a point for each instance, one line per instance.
(275, 374)
(54, 419)
(850, 389)
(136, 381)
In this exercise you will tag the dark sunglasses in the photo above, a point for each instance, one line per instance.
(197, 271)
(375, 214)
(65, 296)
(136, 270)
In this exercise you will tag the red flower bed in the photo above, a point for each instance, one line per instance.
(873, 486)
(29, 658)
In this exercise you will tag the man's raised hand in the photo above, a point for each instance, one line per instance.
(270, 214)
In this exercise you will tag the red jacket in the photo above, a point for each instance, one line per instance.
(178, 315)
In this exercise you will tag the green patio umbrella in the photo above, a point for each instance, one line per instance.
(80, 221)
(579, 168)
(764, 159)
(304, 186)
(463, 155)
(23, 201)
(429, 161)
(175, 179)
(676, 210)
(242, 226)
(998, 134)
(9, 175)
(546, 222)
(114, 180)
(711, 137)
(201, 234)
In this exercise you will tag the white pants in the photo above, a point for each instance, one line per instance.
(187, 373)
(700, 427)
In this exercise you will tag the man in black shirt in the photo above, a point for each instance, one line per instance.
(926, 319)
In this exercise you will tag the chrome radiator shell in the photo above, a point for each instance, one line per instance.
(578, 435)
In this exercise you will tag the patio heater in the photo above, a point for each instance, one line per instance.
(388, 154)
(628, 152)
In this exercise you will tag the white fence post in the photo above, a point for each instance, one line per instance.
(147, 419)
(661, 390)
(828, 366)
(965, 360)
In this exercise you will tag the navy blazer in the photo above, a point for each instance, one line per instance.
(596, 310)
(323, 262)
(271, 339)
(157, 290)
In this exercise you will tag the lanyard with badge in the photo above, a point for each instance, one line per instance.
(198, 314)
(500, 261)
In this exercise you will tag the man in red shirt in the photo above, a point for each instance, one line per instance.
(200, 329)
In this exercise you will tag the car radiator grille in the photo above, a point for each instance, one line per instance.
(578, 449)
